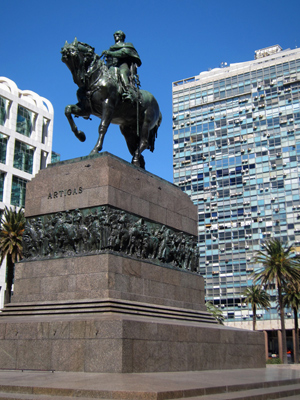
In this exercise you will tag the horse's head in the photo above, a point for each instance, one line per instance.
(78, 57)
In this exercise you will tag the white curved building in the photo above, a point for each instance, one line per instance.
(26, 129)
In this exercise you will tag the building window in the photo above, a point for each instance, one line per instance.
(23, 158)
(2, 175)
(44, 156)
(3, 147)
(24, 121)
(2, 110)
(18, 192)
(55, 157)
(45, 130)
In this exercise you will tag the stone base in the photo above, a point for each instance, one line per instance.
(103, 276)
(125, 344)
(107, 311)
(112, 313)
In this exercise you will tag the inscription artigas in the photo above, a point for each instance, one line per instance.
(65, 192)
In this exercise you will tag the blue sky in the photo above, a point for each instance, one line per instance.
(175, 39)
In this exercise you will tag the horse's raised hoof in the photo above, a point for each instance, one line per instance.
(81, 136)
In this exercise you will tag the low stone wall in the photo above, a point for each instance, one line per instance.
(107, 276)
(126, 344)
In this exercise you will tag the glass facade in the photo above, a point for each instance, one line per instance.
(24, 121)
(18, 192)
(2, 110)
(45, 130)
(2, 176)
(3, 147)
(23, 157)
(26, 133)
(55, 157)
(236, 153)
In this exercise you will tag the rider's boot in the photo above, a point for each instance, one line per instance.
(129, 94)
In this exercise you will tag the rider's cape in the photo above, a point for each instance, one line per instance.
(125, 52)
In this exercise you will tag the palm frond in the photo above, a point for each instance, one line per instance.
(12, 226)
(216, 313)
(257, 297)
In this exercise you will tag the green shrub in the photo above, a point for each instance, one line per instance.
(274, 361)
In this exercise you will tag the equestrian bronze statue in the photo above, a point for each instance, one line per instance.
(110, 91)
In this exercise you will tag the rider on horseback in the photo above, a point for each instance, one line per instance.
(124, 58)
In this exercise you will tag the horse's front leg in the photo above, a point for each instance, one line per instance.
(138, 159)
(75, 109)
(107, 116)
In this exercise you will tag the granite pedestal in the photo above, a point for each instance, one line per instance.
(113, 309)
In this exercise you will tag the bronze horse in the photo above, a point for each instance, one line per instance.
(100, 94)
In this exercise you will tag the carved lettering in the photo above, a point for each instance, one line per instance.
(65, 192)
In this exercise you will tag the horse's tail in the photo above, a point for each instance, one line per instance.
(153, 133)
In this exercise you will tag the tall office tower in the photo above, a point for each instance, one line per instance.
(26, 126)
(237, 155)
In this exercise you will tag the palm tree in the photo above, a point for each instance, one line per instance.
(279, 265)
(291, 299)
(257, 297)
(12, 226)
(215, 312)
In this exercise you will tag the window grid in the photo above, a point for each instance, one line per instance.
(2, 110)
(3, 147)
(2, 177)
(18, 191)
(24, 121)
(236, 147)
(23, 157)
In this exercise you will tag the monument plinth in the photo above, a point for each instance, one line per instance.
(109, 282)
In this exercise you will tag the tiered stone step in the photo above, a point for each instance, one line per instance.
(105, 306)
(287, 389)
(288, 392)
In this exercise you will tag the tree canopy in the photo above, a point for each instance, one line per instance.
(279, 265)
(257, 297)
